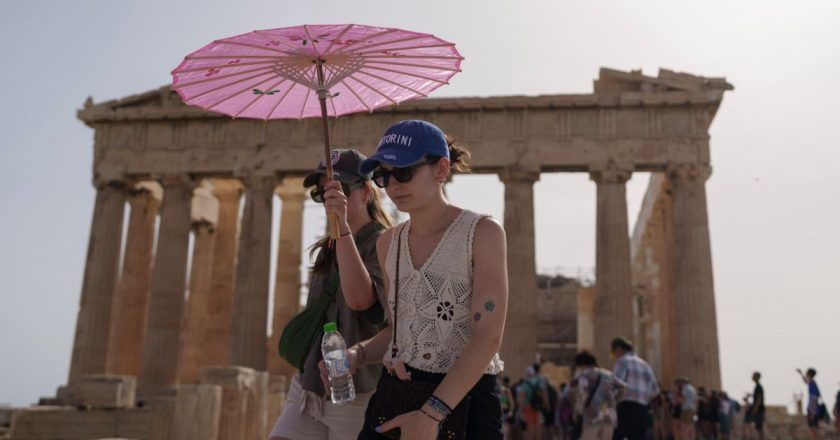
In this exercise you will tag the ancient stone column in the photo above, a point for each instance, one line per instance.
(205, 209)
(216, 343)
(697, 355)
(196, 317)
(90, 346)
(519, 346)
(128, 323)
(249, 336)
(613, 282)
(166, 300)
(287, 287)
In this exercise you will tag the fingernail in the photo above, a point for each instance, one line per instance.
(378, 429)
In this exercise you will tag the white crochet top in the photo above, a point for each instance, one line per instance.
(435, 323)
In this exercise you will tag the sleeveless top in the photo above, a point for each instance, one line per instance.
(434, 321)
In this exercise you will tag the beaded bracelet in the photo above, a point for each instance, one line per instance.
(439, 405)
(430, 416)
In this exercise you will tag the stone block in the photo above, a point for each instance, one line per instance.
(276, 398)
(197, 412)
(100, 391)
(236, 383)
(67, 423)
(257, 425)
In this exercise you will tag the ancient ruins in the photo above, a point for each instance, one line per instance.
(147, 355)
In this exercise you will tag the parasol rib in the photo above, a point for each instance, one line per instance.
(232, 95)
(428, 46)
(259, 96)
(266, 69)
(229, 84)
(369, 37)
(273, 109)
(224, 66)
(337, 38)
(405, 73)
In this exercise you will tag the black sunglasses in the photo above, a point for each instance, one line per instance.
(382, 177)
(317, 193)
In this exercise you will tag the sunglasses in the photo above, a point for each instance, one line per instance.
(317, 194)
(382, 177)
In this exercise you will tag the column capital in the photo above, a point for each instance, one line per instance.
(291, 189)
(519, 175)
(257, 181)
(689, 171)
(227, 189)
(175, 180)
(101, 182)
(611, 172)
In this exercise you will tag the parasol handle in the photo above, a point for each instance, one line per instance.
(332, 219)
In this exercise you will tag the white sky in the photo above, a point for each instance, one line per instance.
(774, 197)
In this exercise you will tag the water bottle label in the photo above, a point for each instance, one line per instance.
(338, 367)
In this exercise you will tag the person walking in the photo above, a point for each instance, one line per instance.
(815, 413)
(596, 404)
(347, 275)
(757, 408)
(447, 296)
(688, 408)
(634, 411)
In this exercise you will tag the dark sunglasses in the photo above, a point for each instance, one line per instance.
(317, 193)
(382, 177)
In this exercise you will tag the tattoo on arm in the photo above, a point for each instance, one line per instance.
(489, 305)
(477, 317)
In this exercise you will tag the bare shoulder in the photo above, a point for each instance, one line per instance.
(489, 230)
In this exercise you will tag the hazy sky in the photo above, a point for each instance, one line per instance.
(774, 197)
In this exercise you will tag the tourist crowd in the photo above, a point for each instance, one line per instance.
(628, 402)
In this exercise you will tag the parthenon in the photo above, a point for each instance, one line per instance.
(183, 171)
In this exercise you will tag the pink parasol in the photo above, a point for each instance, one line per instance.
(314, 70)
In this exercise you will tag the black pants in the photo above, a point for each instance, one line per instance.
(484, 420)
(633, 421)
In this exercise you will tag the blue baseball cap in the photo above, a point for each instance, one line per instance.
(407, 143)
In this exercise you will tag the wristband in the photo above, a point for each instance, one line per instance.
(439, 406)
(346, 234)
(430, 416)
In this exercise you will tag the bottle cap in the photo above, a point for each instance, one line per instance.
(330, 327)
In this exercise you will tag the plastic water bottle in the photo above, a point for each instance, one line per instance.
(338, 365)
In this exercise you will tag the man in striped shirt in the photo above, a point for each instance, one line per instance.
(634, 416)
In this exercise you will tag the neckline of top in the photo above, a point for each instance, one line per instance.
(437, 246)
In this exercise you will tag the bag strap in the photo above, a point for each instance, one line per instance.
(396, 293)
(595, 388)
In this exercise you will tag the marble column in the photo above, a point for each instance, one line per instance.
(90, 346)
(697, 355)
(519, 346)
(613, 277)
(128, 324)
(216, 343)
(289, 258)
(205, 212)
(166, 299)
(196, 317)
(249, 335)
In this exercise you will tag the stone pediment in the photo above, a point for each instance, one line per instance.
(613, 88)
(668, 87)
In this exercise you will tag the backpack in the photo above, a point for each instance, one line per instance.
(536, 400)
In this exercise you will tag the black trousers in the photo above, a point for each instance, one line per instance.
(633, 421)
(484, 419)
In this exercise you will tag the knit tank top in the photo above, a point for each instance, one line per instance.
(434, 321)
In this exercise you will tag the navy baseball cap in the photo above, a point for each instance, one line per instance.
(407, 143)
(345, 164)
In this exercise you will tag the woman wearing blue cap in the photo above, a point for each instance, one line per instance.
(446, 278)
